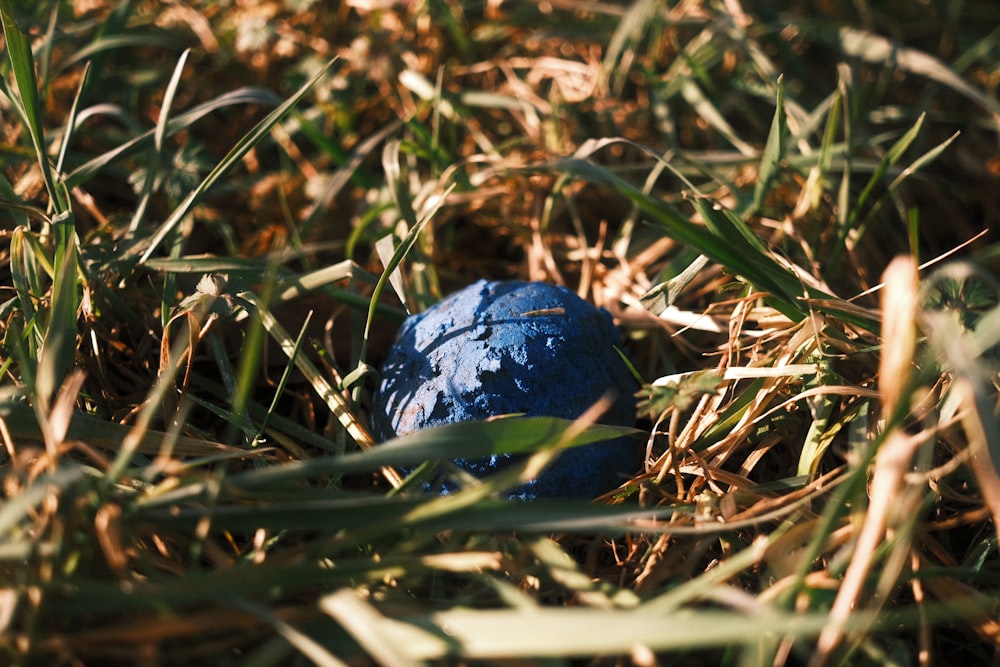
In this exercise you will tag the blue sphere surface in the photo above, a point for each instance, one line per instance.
(506, 347)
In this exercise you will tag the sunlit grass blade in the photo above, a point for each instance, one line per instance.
(58, 348)
(711, 115)
(564, 633)
(516, 435)
(159, 133)
(237, 153)
(241, 96)
(23, 64)
(71, 119)
(860, 204)
(727, 241)
(339, 406)
(28, 268)
(401, 250)
(621, 46)
(774, 151)
(877, 49)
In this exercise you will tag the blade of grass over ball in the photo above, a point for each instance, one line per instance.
(235, 155)
(516, 435)
(373, 517)
(58, 349)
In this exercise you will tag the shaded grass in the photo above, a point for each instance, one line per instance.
(195, 304)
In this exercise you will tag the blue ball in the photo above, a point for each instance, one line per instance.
(506, 347)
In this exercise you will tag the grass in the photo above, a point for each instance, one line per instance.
(216, 216)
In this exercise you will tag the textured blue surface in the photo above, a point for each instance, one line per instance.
(513, 347)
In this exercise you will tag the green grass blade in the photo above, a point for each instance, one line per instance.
(237, 153)
(893, 155)
(23, 64)
(877, 49)
(58, 348)
(27, 269)
(159, 134)
(628, 32)
(252, 353)
(248, 95)
(23, 423)
(70, 124)
(373, 517)
(335, 401)
(518, 435)
(571, 632)
(404, 247)
(706, 110)
(22, 505)
(774, 151)
(727, 241)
